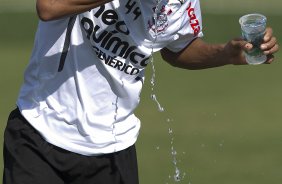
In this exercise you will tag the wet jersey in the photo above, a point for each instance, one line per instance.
(86, 72)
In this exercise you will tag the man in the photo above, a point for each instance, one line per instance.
(74, 123)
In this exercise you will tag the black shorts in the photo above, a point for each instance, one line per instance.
(29, 159)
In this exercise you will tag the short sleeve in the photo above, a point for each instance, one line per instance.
(190, 26)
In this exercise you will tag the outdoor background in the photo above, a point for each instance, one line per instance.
(226, 122)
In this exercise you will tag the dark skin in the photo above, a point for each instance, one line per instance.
(55, 9)
(197, 55)
(201, 55)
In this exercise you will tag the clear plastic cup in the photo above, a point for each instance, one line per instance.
(253, 29)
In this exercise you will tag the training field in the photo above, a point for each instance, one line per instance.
(226, 122)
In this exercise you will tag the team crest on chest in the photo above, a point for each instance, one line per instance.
(159, 22)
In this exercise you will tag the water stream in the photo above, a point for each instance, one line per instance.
(177, 175)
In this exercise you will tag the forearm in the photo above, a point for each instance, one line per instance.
(198, 55)
(55, 9)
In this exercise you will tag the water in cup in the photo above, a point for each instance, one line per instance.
(253, 29)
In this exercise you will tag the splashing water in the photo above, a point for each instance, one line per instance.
(177, 173)
(154, 98)
(153, 95)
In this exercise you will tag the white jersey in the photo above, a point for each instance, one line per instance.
(86, 73)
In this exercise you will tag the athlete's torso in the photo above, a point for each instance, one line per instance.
(82, 98)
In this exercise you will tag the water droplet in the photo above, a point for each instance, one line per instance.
(173, 153)
(154, 98)
(183, 175)
(177, 177)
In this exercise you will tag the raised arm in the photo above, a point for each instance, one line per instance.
(55, 9)
(200, 55)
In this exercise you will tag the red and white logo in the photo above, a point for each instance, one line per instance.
(194, 22)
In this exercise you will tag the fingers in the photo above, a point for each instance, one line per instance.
(268, 34)
(270, 59)
(270, 45)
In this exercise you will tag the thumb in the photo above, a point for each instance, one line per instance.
(235, 49)
(248, 46)
(240, 43)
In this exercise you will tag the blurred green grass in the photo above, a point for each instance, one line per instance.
(226, 121)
